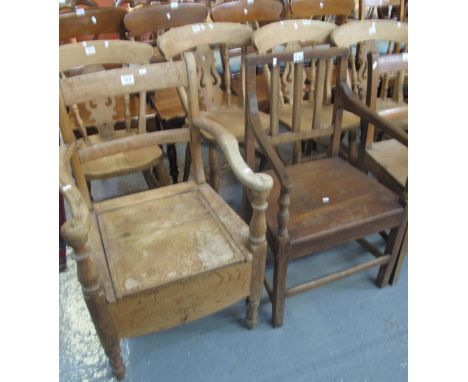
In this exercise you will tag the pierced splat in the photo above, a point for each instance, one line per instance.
(287, 78)
(211, 94)
(102, 113)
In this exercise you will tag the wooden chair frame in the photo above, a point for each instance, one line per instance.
(390, 160)
(92, 22)
(137, 313)
(363, 4)
(303, 9)
(279, 238)
(102, 114)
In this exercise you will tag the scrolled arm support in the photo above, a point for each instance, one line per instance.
(350, 102)
(228, 143)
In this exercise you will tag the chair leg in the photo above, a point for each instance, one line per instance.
(188, 162)
(162, 175)
(279, 284)
(256, 285)
(401, 259)
(213, 163)
(393, 247)
(150, 182)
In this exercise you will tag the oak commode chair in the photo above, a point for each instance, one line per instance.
(159, 258)
(319, 204)
(219, 106)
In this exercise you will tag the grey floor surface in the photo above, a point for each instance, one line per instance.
(345, 331)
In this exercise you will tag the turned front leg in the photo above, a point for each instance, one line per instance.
(258, 248)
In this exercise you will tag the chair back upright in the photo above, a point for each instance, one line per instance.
(92, 22)
(96, 89)
(394, 9)
(293, 36)
(274, 136)
(362, 37)
(203, 39)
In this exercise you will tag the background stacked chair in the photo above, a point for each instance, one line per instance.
(156, 259)
(319, 204)
(145, 24)
(336, 11)
(219, 106)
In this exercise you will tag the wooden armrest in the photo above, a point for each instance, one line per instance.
(351, 103)
(269, 151)
(75, 230)
(228, 143)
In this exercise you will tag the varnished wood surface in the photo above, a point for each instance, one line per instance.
(244, 11)
(94, 21)
(354, 199)
(310, 8)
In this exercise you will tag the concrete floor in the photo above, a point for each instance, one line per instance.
(345, 331)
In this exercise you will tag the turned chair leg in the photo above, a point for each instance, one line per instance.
(161, 174)
(213, 163)
(279, 285)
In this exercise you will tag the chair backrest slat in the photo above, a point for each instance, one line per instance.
(245, 11)
(311, 8)
(297, 105)
(92, 21)
(274, 99)
(318, 96)
(156, 18)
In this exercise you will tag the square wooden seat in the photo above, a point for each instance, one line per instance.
(357, 204)
(167, 235)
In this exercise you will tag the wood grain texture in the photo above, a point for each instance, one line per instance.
(161, 17)
(242, 12)
(310, 8)
(94, 21)
(181, 301)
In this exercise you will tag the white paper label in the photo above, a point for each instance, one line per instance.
(196, 28)
(80, 11)
(245, 11)
(372, 29)
(405, 57)
(66, 188)
(174, 5)
(90, 50)
(274, 61)
(325, 200)
(127, 79)
(298, 56)
(321, 4)
(374, 65)
(93, 19)
(84, 43)
(306, 22)
(250, 2)
(142, 71)
(106, 44)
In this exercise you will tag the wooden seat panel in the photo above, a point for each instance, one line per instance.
(354, 199)
(122, 163)
(167, 236)
(392, 157)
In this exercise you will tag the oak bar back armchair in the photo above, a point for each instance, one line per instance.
(106, 114)
(159, 258)
(219, 106)
(319, 204)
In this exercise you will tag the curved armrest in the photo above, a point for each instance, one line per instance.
(269, 151)
(228, 143)
(75, 230)
(351, 103)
